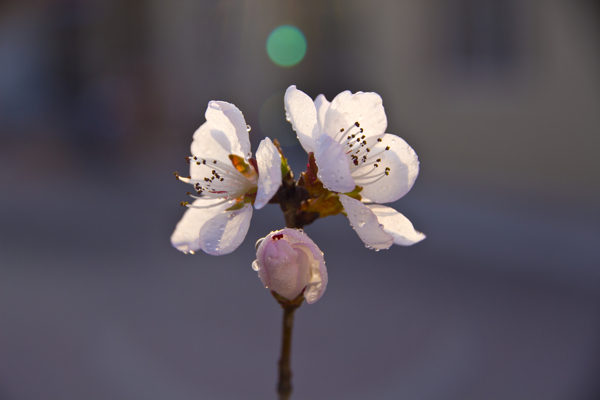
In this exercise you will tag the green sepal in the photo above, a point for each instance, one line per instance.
(355, 194)
(285, 168)
(237, 206)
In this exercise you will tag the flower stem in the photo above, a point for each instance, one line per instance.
(284, 385)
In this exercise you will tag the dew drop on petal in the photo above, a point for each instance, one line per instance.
(255, 265)
(258, 242)
(192, 252)
(248, 128)
(361, 224)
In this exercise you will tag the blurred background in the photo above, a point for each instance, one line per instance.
(499, 98)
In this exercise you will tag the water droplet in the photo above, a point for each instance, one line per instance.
(361, 224)
(258, 242)
(255, 265)
(217, 248)
(248, 128)
(214, 106)
(377, 249)
(192, 252)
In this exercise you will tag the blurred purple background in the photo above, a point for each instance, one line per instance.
(500, 100)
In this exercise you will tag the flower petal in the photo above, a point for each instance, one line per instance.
(322, 105)
(397, 225)
(365, 223)
(334, 166)
(269, 172)
(318, 281)
(318, 272)
(308, 256)
(224, 232)
(302, 114)
(186, 236)
(223, 133)
(347, 108)
(403, 165)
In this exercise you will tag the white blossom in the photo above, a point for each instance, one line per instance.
(351, 148)
(226, 182)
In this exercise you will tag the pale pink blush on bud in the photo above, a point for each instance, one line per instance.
(288, 261)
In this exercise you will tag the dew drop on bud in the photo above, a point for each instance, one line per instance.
(258, 242)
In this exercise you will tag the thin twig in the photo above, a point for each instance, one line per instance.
(284, 385)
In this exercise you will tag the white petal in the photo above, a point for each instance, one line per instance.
(334, 167)
(396, 225)
(186, 236)
(223, 133)
(269, 172)
(365, 223)
(318, 272)
(223, 233)
(347, 108)
(302, 114)
(404, 169)
(322, 105)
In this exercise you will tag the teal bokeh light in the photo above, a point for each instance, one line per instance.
(286, 45)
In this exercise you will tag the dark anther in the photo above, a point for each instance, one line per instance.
(380, 140)
(342, 130)
(387, 148)
(357, 124)
(376, 165)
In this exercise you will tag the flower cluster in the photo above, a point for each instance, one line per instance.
(354, 165)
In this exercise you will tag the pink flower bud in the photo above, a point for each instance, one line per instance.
(288, 261)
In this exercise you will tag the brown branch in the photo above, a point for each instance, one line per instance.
(284, 385)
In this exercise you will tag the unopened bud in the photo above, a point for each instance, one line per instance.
(288, 262)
